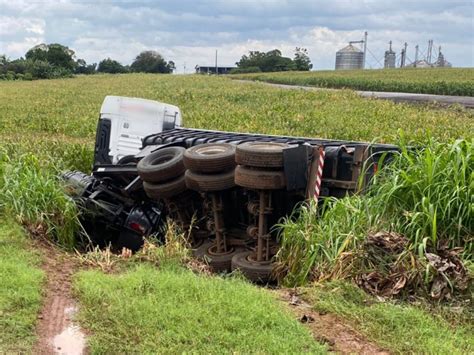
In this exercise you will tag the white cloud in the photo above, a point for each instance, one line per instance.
(11, 26)
(189, 31)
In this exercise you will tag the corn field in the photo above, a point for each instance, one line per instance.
(425, 195)
(440, 81)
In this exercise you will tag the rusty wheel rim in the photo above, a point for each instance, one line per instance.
(252, 258)
(212, 250)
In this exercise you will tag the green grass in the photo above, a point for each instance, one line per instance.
(172, 310)
(20, 291)
(442, 81)
(31, 192)
(426, 195)
(399, 327)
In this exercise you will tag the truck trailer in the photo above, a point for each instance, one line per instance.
(225, 190)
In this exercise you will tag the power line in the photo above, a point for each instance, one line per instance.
(378, 61)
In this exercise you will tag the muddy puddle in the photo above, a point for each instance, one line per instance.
(71, 341)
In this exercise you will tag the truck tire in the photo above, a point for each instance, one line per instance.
(162, 165)
(259, 179)
(259, 272)
(260, 154)
(199, 251)
(130, 240)
(210, 157)
(220, 262)
(127, 160)
(165, 190)
(209, 182)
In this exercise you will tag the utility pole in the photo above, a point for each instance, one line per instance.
(217, 73)
(430, 49)
(365, 48)
(416, 56)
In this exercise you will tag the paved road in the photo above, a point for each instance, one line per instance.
(465, 101)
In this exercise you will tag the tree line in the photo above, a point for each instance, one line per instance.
(49, 61)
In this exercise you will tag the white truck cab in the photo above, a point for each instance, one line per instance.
(128, 120)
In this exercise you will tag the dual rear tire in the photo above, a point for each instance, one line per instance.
(210, 167)
(163, 173)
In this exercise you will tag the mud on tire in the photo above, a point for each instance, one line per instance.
(259, 179)
(209, 182)
(162, 165)
(210, 157)
(165, 190)
(260, 154)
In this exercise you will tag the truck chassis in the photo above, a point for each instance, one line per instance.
(225, 190)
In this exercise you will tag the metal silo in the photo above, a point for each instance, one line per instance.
(349, 57)
(390, 58)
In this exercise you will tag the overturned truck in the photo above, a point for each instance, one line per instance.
(225, 190)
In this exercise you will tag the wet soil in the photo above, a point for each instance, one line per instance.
(328, 329)
(57, 334)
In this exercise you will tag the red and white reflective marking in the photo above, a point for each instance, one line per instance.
(319, 174)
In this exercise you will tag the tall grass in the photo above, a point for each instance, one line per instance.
(426, 195)
(430, 194)
(31, 192)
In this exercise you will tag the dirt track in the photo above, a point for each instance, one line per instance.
(56, 332)
(329, 329)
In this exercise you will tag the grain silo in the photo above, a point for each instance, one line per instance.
(389, 58)
(442, 62)
(349, 57)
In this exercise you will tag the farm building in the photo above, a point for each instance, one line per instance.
(212, 70)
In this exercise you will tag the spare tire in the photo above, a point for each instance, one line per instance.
(259, 179)
(162, 165)
(260, 154)
(165, 190)
(210, 157)
(209, 182)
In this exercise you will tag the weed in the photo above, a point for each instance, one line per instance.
(426, 195)
(33, 194)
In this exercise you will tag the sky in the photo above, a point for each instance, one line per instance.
(190, 31)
